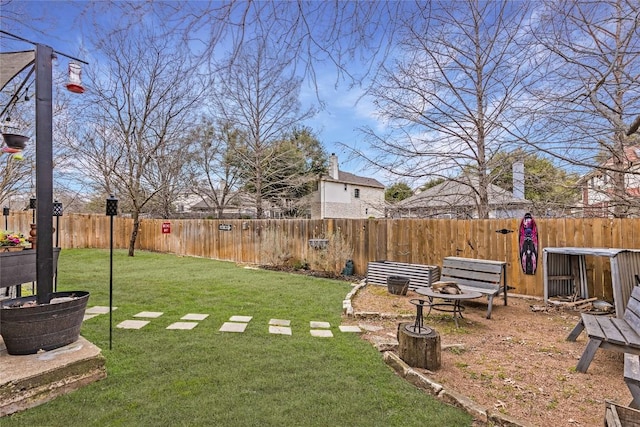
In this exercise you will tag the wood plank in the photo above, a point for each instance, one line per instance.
(632, 367)
(454, 274)
(489, 287)
(471, 265)
(482, 291)
(587, 354)
(611, 332)
(630, 334)
(592, 326)
(611, 417)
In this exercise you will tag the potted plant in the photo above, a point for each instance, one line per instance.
(11, 241)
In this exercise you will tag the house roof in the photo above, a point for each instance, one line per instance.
(631, 158)
(631, 155)
(456, 193)
(349, 178)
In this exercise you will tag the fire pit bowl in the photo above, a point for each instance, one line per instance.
(27, 327)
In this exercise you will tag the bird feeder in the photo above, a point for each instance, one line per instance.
(75, 78)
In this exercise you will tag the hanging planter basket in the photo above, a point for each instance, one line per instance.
(15, 141)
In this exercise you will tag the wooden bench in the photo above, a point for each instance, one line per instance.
(484, 276)
(610, 333)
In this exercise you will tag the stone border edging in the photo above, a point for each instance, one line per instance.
(479, 413)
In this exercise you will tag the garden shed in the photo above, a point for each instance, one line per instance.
(565, 272)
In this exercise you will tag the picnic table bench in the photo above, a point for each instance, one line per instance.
(487, 277)
(610, 333)
(632, 378)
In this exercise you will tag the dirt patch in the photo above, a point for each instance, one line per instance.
(518, 362)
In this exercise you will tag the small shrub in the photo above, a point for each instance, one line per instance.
(274, 249)
(333, 257)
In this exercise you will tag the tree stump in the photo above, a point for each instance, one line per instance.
(419, 350)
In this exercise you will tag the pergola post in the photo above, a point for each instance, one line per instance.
(44, 172)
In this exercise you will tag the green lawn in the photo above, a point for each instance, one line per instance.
(203, 377)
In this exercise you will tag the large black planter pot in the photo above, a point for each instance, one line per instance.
(29, 329)
(398, 285)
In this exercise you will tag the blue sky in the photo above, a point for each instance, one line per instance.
(338, 121)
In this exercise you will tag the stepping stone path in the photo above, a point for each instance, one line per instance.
(280, 327)
(149, 314)
(237, 324)
(94, 311)
(132, 324)
(320, 333)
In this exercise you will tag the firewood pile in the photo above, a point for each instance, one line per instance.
(573, 303)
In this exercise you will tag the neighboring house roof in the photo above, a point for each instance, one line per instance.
(233, 200)
(631, 158)
(631, 155)
(349, 178)
(456, 193)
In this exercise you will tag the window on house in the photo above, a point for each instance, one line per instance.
(356, 193)
(345, 187)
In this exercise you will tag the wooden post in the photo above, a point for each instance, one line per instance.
(419, 350)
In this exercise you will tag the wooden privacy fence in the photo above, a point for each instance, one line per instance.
(417, 241)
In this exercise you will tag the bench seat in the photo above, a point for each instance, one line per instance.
(610, 333)
(487, 277)
(632, 378)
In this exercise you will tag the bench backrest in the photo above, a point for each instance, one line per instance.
(632, 312)
(485, 274)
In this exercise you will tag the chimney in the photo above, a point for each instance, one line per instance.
(333, 166)
(518, 180)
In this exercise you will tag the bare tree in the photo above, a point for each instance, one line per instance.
(591, 91)
(16, 173)
(258, 94)
(447, 95)
(144, 88)
(214, 170)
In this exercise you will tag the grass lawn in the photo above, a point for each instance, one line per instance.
(203, 377)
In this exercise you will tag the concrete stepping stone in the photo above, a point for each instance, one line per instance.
(321, 333)
(349, 328)
(183, 325)
(132, 324)
(371, 328)
(319, 325)
(194, 316)
(279, 330)
(279, 322)
(149, 314)
(242, 319)
(233, 327)
(98, 309)
(89, 316)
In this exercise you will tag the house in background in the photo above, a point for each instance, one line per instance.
(597, 188)
(239, 205)
(457, 199)
(345, 195)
